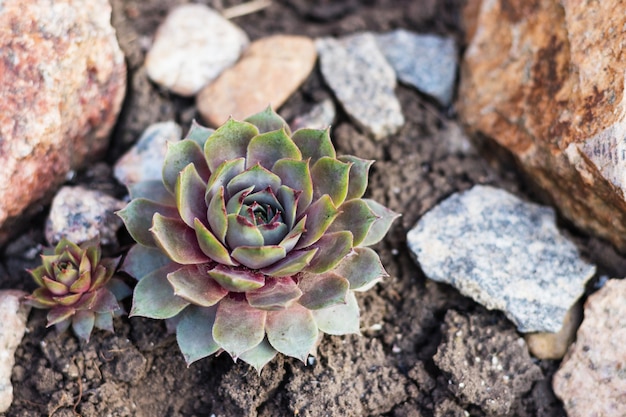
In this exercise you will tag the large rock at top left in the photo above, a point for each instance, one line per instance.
(62, 83)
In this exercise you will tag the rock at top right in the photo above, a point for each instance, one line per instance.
(545, 79)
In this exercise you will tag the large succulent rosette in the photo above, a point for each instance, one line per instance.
(255, 240)
(79, 288)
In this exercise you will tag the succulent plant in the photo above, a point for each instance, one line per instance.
(255, 240)
(78, 287)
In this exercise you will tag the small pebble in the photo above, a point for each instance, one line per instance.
(363, 81)
(80, 214)
(193, 45)
(321, 116)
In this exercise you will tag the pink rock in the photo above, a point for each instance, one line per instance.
(592, 378)
(62, 85)
(268, 72)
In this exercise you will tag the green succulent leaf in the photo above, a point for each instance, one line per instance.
(151, 190)
(320, 216)
(267, 148)
(268, 120)
(323, 290)
(194, 333)
(256, 176)
(41, 298)
(238, 326)
(60, 313)
(137, 216)
(288, 199)
(339, 319)
(141, 260)
(276, 294)
(330, 176)
(211, 246)
(237, 280)
(193, 283)
(235, 203)
(362, 269)
(357, 184)
(104, 302)
(199, 133)
(83, 323)
(224, 174)
(190, 190)
(119, 288)
(257, 257)
(154, 296)
(216, 215)
(292, 332)
(38, 274)
(67, 300)
(294, 262)
(177, 240)
(273, 233)
(290, 240)
(62, 326)
(55, 287)
(70, 247)
(83, 282)
(314, 144)
(259, 356)
(178, 156)
(296, 175)
(356, 217)
(104, 321)
(242, 233)
(380, 227)
(230, 141)
(332, 248)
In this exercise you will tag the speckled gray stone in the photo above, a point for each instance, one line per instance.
(427, 62)
(504, 253)
(80, 214)
(320, 116)
(144, 161)
(592, 378)
(363, 81)
(13, 316)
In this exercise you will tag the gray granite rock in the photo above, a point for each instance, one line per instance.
(592, 378)
(487, 361)
(80, 214)
(320, 116)
(192, 47)
(13, 316)
(144, 161)
(427, 62)
(504, 253)
(363, 81)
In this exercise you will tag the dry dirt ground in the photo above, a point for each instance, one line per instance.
(389, 370)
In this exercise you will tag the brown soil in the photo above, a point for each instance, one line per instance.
(389, 370)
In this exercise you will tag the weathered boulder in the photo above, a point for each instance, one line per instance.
(62, 85)
(545, 79)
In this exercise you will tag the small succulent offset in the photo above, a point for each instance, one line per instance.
(78, 287)
(255, 240)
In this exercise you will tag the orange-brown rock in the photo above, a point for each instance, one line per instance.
(62, 82)
(268, 72)
(545, 79)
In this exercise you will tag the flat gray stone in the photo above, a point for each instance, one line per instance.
(504, 253)
(144, 161)
(320, 116)
(427, 62)
(363, 81)
(80, 214)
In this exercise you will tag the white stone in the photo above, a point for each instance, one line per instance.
(504, 253)
(13, 316)
(592, 378)
(427, 62)
(320, 116)
(144, 161)
(192, 47)
(363, 81)
(80, 214)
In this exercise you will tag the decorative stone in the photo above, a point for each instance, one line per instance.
(62, 85)
(488, 362)
(363, 81)
(544, 345)
(80, 214)
(545, 79)
(504, 253)
(321, 116)
(13, 316)
(269, 71)
(427, 62)
(592, 378)
(193, 45)
(144, 161)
